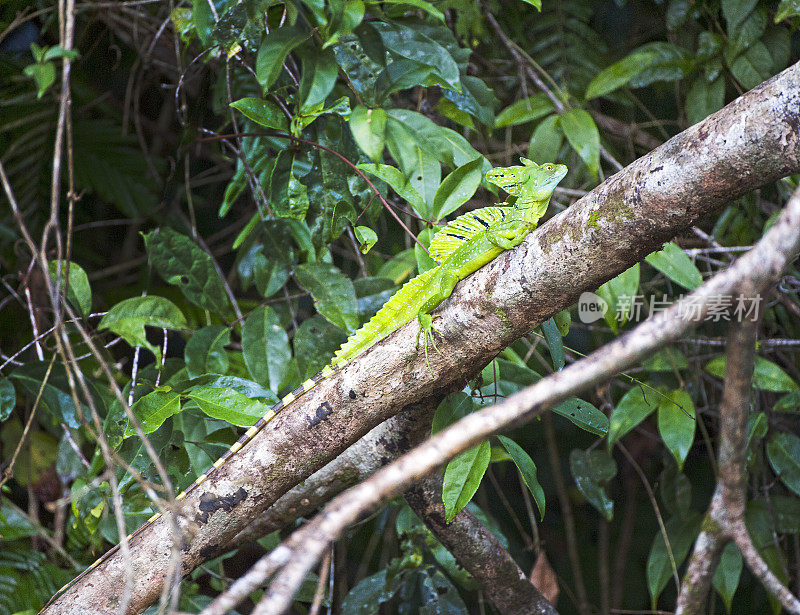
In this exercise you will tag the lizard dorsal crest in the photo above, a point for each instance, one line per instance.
(462, 229)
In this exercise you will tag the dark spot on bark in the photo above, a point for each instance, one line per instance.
(209, 551)
(658, 168)
(352, 394)
(322, 413)
(210, 503)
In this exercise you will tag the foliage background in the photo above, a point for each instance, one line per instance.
(203, 140)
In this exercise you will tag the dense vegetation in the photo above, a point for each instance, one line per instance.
(240, 184)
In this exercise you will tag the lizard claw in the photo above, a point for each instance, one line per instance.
(426, 329)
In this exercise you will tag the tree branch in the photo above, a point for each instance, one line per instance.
(616, 225)
(725, 518)
(477, 550)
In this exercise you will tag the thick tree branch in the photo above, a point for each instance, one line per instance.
(382, 445)
(751, 142)
(292, 560)
(479, 551)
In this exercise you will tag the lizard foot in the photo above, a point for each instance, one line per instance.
(426, 329)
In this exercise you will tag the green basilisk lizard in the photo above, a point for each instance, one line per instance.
(462, 247)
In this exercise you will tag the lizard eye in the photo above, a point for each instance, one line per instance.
(548, 167)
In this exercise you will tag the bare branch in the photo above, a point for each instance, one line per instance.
(479, 551)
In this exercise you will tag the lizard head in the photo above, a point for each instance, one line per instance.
(528, 179)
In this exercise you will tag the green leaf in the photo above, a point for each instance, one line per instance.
(262, 112)
(788, 403)
(591, 470)
(129, 317)
(676, 424)
(424, 261)
(677, 14)
(366, 238)
(463, 476)
(425, 175)
(676, 490)
(475, 98)
(457, 188)
(631, 410)
(527, 469)
(421, 131)
(420, 4)
(681, 532)
(439, 595)
(704, 98)
(269, 274)
(461, 150)
(787, 9)
(452, 408)
(766, 375)
(53, 53)
(273, 51)
(182, 263)
(333, 293)
(318, 77)
(753, 66)
(583, 136)
(153, 409)
(314, 343)
(14, 524)
(369, 593)
(783, 452)
(411, 43)
(297, 203)
(205, 351)
(726, 576)
(563, 320)
(669, 64)
(248, 388)
(369, 130)
(619, 294)
(735, 12)
(666, 360)
(523, 111)
(265, 347)
(8, 398)
(584, 415)
(43, 74)
(228, 405)
(203, 18)
(79, 293)
(546, 140)
(537, 4)
(673, 263)
(398, 182)
(554, 343)
(620, 73)
(54, 398)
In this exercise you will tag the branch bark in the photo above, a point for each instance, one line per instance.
(477, 550)
(753, 141)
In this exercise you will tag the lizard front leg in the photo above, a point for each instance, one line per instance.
(510, 236)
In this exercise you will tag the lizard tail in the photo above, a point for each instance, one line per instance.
(396, 312)
(309, 384)
(399, 310)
